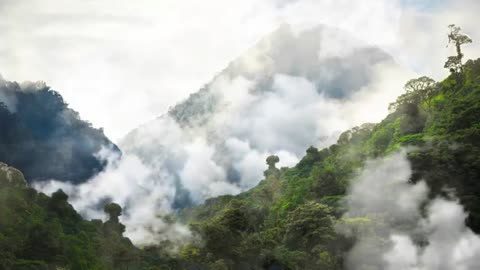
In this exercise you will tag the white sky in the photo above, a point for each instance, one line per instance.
(121, 63)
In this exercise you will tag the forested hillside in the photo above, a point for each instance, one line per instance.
(44, 138)
(296, 218)
(40, 232)
(290, 220)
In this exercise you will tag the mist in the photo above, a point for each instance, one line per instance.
(265, 102)
(407, 229)
(146, 56)
(216, 142)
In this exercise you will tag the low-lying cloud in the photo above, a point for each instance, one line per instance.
(148, 55)
(264, 103)
(145, 196)
(82, 50)
(407, 230)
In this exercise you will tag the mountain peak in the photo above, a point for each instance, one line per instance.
(274, 99)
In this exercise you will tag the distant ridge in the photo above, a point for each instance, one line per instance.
(44, 138)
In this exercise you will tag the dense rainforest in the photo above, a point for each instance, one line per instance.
(290, 220)
(41, 232)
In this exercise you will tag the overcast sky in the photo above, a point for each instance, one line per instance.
(121, 63)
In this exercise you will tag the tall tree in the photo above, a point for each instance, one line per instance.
(417, 92)
(455, 37)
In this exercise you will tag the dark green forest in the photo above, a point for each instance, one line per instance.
(288, 220)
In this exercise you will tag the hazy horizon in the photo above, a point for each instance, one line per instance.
(148, 56)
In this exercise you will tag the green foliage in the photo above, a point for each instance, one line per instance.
(291, 219)
(301, 206)
(418, 92)
(41, 232)
(309, 225)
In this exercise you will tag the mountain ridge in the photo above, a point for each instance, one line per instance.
(216, 116)
(261, 222)
(293, 219)
(46, 139)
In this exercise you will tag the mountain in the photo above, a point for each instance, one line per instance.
(44, 138)
(292, 89)
(323, 55)
(400, 193)
(407, 184)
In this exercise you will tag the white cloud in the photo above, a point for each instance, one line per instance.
(121, 63)
(422, 35)
(226, 154)
(202, 176)
(145, 195)
(165, 166)
(401, 236)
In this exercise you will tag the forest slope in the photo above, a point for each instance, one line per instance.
(291, 219)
